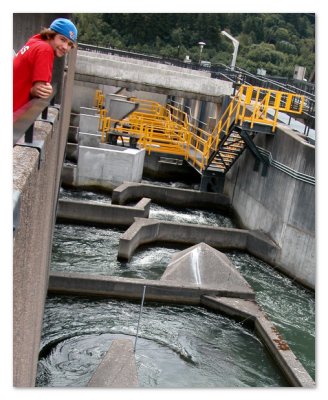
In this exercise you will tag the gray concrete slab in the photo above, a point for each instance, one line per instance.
(118, 367)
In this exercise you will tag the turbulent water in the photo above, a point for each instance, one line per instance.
(178, 346)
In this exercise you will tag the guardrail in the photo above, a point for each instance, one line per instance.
(25, 117)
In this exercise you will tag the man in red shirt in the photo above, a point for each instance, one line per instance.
(33, 64)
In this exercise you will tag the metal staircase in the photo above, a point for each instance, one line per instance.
(227, 153)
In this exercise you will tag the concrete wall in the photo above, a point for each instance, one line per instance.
(32, 248)
(38, 181)
(279, 204)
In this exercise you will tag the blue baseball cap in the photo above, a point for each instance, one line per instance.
(65, 27)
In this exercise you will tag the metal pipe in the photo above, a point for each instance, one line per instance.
(140, 312)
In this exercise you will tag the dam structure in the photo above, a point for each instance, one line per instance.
(117, 125)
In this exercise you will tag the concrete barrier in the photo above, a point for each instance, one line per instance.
(37, 178)
(90, 212)
(145, 231)
(132, 289)
(129, 191)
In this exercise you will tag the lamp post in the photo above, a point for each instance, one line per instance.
(235, 46)
(201, 45)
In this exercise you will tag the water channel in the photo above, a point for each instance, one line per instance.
(178, 346)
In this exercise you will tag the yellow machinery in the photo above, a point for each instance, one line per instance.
(167, 129)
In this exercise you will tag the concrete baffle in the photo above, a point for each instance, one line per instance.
(118, 368)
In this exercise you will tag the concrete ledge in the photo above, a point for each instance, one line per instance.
(118, 367)
(148, 77)
(100, 213)
(170, 196)
(132, 289)
(152, 230)
(286, 360)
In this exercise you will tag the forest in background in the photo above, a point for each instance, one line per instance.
(274, 42)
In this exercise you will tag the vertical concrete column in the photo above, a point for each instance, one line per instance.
(195, 106)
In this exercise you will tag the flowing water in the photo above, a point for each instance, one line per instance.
(178, 346)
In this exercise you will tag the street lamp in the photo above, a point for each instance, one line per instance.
(235, 46)
(201, 45)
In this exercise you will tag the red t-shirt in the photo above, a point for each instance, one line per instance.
(34, 62)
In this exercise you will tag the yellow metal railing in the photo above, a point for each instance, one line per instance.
(167, 129)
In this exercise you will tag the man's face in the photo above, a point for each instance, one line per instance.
(61, 45)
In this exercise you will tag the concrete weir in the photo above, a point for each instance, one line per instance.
(129, 191)
(199, 275)
(145, 231)
(102, 214)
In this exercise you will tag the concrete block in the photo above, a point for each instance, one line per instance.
(108, 166)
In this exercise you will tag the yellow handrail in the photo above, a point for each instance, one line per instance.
(167, 129)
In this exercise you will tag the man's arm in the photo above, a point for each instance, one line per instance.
(41, 89)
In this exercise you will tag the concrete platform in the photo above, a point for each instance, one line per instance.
(118, 367)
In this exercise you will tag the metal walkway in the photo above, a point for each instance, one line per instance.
(168, 130)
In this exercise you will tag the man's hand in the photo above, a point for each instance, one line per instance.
(41, 89)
